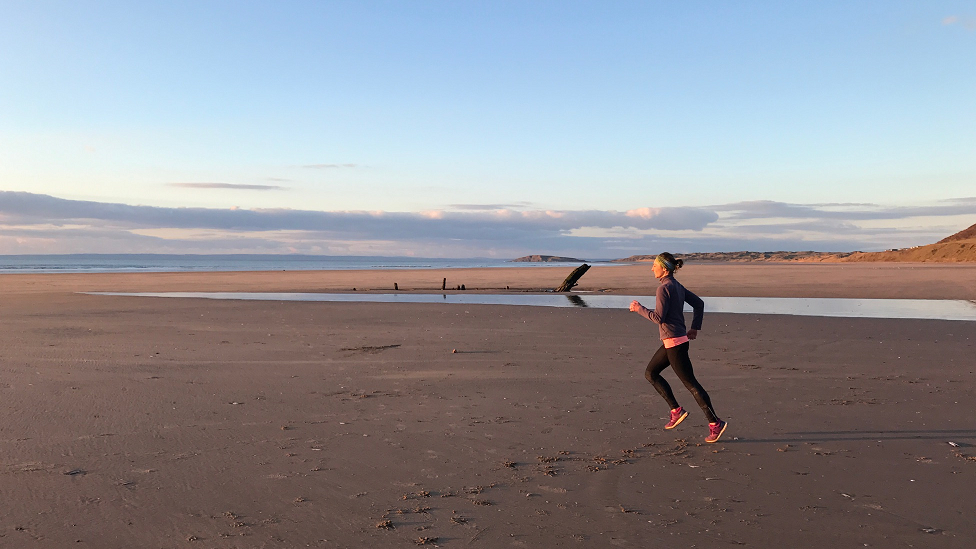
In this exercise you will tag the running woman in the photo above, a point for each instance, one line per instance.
(668, 313)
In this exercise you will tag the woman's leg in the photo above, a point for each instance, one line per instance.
(681, 364)
(657, 365)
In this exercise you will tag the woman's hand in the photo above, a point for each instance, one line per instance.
(692, 334)
(635, 306)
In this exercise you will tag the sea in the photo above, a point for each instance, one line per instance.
(163, 263)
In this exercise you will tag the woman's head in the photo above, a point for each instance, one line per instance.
(666, 264)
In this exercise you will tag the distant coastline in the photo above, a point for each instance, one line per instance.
(748, 256)
(546, 259)
(957, 248)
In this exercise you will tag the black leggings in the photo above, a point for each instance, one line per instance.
(677, 358)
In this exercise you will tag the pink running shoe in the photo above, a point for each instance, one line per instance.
(715, 431)
(677, 416)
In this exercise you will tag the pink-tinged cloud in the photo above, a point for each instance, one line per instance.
(967, 22)
(36, 223)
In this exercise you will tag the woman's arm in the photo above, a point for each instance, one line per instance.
(698, 306)
(660, 308)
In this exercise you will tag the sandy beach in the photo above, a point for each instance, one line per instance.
(150, 422)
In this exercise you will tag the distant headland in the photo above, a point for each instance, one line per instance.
(546, 259)
(748, 256)
(957, 248)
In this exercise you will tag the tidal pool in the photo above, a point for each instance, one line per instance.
(932, 309)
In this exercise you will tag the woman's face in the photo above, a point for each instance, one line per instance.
(658, 270)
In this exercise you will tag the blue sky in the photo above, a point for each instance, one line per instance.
(597, 129)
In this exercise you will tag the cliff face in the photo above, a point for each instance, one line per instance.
(965, 234)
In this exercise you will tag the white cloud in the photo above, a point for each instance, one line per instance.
(490, 207)
(766, 209)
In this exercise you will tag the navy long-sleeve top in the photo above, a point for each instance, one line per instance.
(668, 312)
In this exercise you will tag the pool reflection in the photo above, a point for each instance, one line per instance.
(576, 300)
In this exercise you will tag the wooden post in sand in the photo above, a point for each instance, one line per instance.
(570, 281)
(444, 284)
(395, 286)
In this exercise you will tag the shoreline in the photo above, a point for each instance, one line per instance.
(852, 280)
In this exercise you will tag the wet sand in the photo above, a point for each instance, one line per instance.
(141, 422)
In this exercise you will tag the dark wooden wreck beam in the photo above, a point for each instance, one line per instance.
(570, 281)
